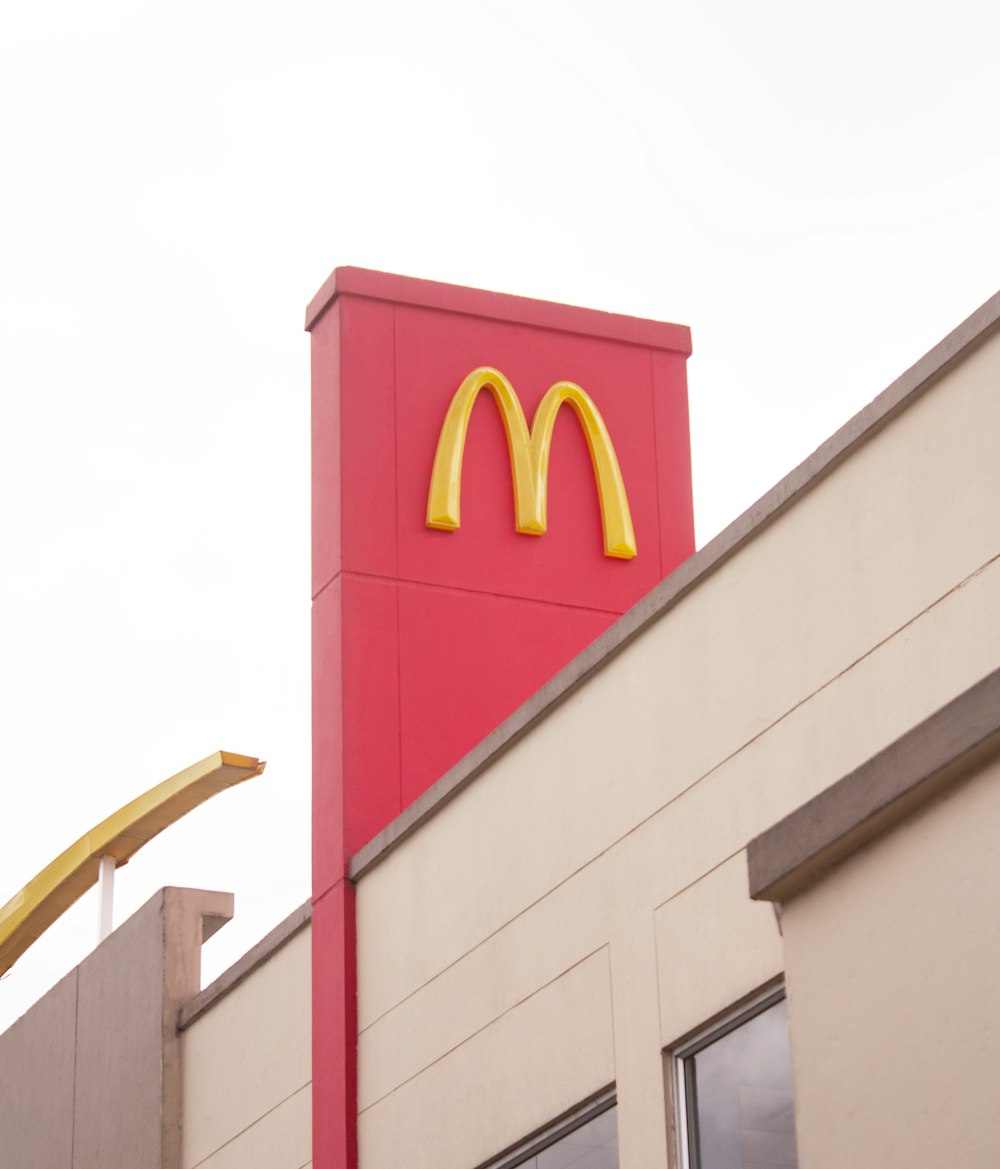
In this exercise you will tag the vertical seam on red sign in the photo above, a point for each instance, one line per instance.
(397, 590)
(656, 462)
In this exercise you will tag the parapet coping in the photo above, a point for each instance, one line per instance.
(860, 429)
(943, 749)
(497, 306)
(256, 956)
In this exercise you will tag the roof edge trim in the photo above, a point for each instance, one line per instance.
(256, 956)
(945, 748)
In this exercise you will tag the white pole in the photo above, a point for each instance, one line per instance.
(105, 896)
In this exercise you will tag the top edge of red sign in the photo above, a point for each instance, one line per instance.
(500, 306)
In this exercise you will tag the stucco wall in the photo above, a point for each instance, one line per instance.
(582, 904)
(247, 1067)
(892, 964)
(90, 1076)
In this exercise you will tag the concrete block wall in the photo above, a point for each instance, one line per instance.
(90, 1077)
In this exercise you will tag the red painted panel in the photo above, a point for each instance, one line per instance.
(567, 565)
(673, 459)
(371, 709)
(495, 306)
(326, 533)
(355, 720)
(328, 852)
(499, 651)
(368, 437)
(335, 1027)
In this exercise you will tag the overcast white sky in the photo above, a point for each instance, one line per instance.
(813, 188)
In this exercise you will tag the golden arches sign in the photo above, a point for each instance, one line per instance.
(30, 912)
(529, 459)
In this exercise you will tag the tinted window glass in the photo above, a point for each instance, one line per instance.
(593, 1145)
(739, 1097)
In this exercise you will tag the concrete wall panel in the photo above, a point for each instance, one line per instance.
(532, 1063)
(111, 1027)
(119, 1012)
(432, 920)
(37, 1057)
(892, 979)
(509, 966)
(248, 1055)
(713, 947)
(279, 1139)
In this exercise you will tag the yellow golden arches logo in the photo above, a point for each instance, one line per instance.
(30, 912)
(529, 459)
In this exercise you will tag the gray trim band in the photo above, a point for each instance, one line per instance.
(952, 743)
(256, 956)
(905, 390)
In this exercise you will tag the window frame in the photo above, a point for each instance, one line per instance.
(552, 1133)
(731, 1020)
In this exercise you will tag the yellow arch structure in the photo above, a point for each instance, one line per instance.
(529, 459)
(46, 897)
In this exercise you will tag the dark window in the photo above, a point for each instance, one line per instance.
(587, 1139)
(735, 1086)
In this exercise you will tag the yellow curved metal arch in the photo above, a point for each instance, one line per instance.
(529, 459)
(30, 912)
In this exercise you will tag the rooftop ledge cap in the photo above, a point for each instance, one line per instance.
(945, 748)
(905, 390)
(255, 957)
(497, 306)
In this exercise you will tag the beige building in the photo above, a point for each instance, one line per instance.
(778, 775)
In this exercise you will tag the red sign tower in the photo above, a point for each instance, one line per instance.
(424, 640)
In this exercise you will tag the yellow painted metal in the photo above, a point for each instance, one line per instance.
(30, 912)
(529, 459)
